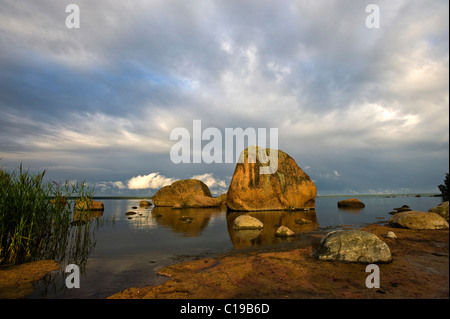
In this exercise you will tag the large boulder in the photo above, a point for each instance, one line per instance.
(197, 201)
(351, 203)
(353, 246)
(441, 209)
(179, 191)
(418, 220)
(286, 188)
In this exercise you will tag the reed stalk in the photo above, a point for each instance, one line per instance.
(35, 216)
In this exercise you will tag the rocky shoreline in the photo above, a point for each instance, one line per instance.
(419, 270)
(328, 266)
(413, 260)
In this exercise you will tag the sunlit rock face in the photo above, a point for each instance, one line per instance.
(287, 188)
(178, 192)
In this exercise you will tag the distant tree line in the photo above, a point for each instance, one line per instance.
(444, 187)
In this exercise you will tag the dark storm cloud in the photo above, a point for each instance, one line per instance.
(364, 109)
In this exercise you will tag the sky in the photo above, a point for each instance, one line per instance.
(362, 110)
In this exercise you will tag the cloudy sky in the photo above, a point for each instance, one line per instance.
(361, 110)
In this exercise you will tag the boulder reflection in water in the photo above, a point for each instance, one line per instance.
(297, 221)
(188, 222)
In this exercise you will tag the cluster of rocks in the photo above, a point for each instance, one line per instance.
(247, 222)
(435, 218)
(364, 247)
(143, 204)
(289, 188)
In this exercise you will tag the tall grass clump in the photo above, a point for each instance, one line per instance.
(35, 216)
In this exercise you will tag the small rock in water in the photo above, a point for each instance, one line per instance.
(302, 221)
(391, 234)
(144, 203)
(247, 222)
(130, 213)
(351, 203)
(284, 231)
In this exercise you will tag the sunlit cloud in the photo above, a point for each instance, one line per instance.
(152, 181)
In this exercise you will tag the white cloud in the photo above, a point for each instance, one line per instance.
(152, 180)
(105, 187)
(157, 181)
(334, 175)
(210, 180)
(118, 185)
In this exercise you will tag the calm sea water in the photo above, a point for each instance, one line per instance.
(119, 251)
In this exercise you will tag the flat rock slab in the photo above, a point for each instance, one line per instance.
(17, 281)
(353, 246)
(418, 220)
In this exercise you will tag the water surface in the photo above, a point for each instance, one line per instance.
(125, 251)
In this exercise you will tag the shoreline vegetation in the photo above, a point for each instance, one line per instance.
(36, 217)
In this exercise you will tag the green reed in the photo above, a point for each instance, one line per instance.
(35, 216)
